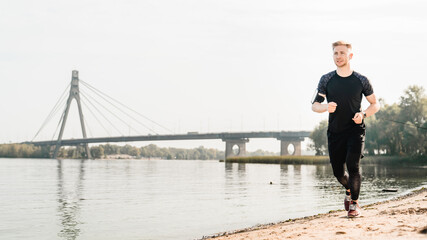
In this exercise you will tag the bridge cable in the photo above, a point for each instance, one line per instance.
(87, 126)
(112, 113)
(123, 121)
(59, 103)
(94, 89)
(127, 114)
(108, 120)
(55, 108)
(59, 123)
(85, 121)
(94, 115)
(62, 103)
(136, 120)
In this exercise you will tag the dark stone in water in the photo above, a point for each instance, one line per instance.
(389, 190)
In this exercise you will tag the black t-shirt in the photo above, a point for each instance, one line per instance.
(346, 92)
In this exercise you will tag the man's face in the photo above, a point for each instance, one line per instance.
(342, 56)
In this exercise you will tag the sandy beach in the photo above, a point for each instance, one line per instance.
(400, 218)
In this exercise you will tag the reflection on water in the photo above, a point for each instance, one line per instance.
(69, 202)
(134, 199)
(377, 177)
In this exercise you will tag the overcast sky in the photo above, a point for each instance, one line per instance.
(206, 66)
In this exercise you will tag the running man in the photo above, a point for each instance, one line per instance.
(343, 89)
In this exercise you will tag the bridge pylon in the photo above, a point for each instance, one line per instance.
(74, 94)
(231, 143)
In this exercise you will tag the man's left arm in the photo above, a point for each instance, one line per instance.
(374, 106)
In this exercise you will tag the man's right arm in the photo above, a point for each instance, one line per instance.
(320, 108)
(317, 105)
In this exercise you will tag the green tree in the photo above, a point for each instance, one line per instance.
(390, 131)
(71, 152)
(110, 149)
(319, 138)
(413, 105)
(372, 144)
(97, 151)
(130, 150)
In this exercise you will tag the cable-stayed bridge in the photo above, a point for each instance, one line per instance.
(235, 141)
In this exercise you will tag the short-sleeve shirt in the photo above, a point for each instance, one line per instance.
(346, 92)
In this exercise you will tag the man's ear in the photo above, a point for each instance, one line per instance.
(350, 56)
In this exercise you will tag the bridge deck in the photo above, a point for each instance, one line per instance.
(190, 136)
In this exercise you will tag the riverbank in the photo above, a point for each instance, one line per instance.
(280, 159)
(325, 159)
(400, 218)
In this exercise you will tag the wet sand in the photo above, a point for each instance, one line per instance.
(400, 218)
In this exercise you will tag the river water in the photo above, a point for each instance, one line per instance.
(170, 199)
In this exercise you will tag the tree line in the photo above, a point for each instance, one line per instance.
(101, 151)
(153, 151)
(397, 129)
(24, 151)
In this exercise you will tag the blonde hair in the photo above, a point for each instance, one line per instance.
(341, 43)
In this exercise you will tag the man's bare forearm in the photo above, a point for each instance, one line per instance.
(372, 109)
(374, 105)
(320, 108)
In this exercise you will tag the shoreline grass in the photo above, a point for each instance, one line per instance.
(421, 160)
(280, 159)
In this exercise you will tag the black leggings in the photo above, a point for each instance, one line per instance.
(347, 149)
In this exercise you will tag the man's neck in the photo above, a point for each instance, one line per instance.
(344, 71)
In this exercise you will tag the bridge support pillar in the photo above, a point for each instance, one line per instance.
(295, 142)
(235, 147)
(74, 94)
